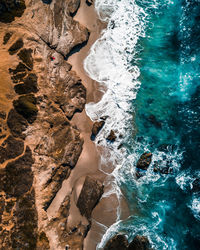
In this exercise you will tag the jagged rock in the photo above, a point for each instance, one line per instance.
(26, 56)
(73, 6)
(71, 95)
(111, 137)
(17, 177)
(54, 184)
(97, 126)
(29, 85)
(90, 195)
(17, 124)
(118, 242)
(139, 243)
(11, 148)
(18, 73)
(144, 161)
(7, 37)
(16, 46)
(2, 115)
(43, 242)
(26, 106)
(196, 185)
(9, 9)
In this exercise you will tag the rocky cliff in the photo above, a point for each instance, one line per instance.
(39, 145)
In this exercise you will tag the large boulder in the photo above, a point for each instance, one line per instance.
(118, 242)
(97, 126)
(111, 137)
(90, 195)
(139, 243)
(144, 161)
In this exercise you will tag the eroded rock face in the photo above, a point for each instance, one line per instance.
(144, 161)
(89, 197)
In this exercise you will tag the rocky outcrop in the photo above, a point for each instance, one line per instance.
(120, 242)
(196, 185)
(111, 137)
(97, 126)
(144, 161)
(89, 197)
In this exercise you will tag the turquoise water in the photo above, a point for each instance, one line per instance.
(167, 118)
(149, 60)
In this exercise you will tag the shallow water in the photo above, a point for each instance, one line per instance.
(149, 60)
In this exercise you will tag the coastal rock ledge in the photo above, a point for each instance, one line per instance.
(40, 144)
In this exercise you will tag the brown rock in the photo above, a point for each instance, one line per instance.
(139, 243)
(43, 242)
(118, 242)
(29, 85)
(11, 148)
(7, 37)
(97, 126)
(112, 137)
(16, 46)
(90, 195)
(26, 106)
(144, 161)
(26, 56)
(17, 124)
(17, 177)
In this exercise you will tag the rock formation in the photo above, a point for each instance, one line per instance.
(120, 242)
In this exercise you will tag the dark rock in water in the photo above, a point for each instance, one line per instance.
(26, 56)
(29, 85)
(11, 148)
(90, 195)
(89, 2)
(26, 106)
(196, 185)
(17, 124)
(18, 177)
(7, 37)
(112, 137)
(144, 161)
(139, 243)
(11, 9)
(2, 115)
(154, 121)
(166, 147)
(118, 242)
(16, 46)
(97, 126)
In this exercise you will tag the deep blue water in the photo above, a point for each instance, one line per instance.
(167, 119)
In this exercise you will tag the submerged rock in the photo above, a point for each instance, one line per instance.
(144, 161)
(196, 185)
(90, 195)
(154, 121)
(111, 137)
(97, 126)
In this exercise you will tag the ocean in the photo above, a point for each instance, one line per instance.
(148, 58)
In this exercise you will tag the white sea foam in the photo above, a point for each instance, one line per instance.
(109, 63)
(195, 206)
